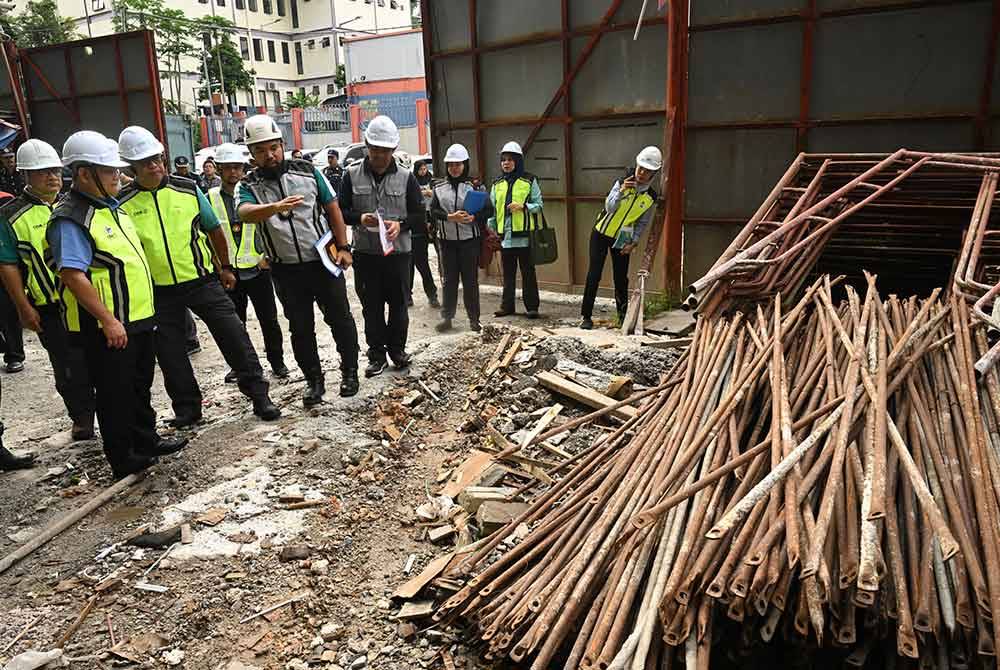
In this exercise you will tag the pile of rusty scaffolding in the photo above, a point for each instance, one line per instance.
(817, 483)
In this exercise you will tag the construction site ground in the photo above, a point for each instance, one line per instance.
(344, 557)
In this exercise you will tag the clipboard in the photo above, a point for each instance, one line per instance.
(474, 201)
(323, 246)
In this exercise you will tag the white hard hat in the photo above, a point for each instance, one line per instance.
(650, 158)
(456, 154)
(261, 128)
(136, 144)
(512, 148)
(382, 132)
(37, 155)
(229, 153)
(404, 160)
(90, 147)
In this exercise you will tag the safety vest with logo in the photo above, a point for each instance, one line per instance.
(247, 256)
(28, 217)
(119, 270)
(168, 220)
(520, 222)
(631, 206)
(292, 237)
(389, 195)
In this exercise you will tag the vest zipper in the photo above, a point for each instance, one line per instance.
(291, 222)
(163, 231)
(141, 255)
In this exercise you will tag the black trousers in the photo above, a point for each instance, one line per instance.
(511, 259)
(600, 245)
(383, 281)
(420, 262)
(260, 291)
(69, 365)
(299, 287)
(11, 335)
(460, 260)
(190, 329)
(122, 380)
(209, 301)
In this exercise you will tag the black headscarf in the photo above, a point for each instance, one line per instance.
(462, 177)
(425, 178)
(518, 170)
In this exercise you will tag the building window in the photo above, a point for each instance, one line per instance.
(276, 96)
(284, 53)
(258, 51)
(97, 5)
(270, 51)
(395, 5)
(298, 58)
(302, 90)
(281, 7)
(268, 9)
(240, 4)
(325, 42)
(294, 4)
(263, 98)
(331, 89)
(245, 48)
(252, 5)
(220, 3)
(311, 44)
(206, 41)
(315, 90)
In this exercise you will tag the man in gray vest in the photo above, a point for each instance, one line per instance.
(381, 202)
(295, 204)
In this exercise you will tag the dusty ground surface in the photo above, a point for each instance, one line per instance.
(352, 549)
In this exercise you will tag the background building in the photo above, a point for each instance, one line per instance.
(289, 45)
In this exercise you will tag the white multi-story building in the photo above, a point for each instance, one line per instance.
(289, 45)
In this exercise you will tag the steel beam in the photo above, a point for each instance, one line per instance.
(677, 61)
(805, 76)
(986, 97)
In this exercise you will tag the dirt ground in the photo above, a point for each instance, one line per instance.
(352, 549)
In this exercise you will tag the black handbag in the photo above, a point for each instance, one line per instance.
(544, 248)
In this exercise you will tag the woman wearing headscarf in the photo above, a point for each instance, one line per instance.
(628, 209)
(419, 260)
(516, 199)
(458, 234)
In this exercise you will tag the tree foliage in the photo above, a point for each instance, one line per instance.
(234, 73)
(300, 99)
(40, 24)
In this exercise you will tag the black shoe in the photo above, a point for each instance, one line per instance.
(15, 366)
(315, 389)
(434, 302)
(134, 466)
(280, 371)
(587, 323)
(9, 461)
(503, 312)
(375, 368)
(83, 430)
(232, 376)
(169, 445)
(475, 327)
(401, 359)
(532, 314)
(349, 385)
(265, 409)
(444, 326)
(193, 348)
(185, 420)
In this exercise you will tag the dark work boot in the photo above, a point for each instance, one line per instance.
(265, 409)
(315, 389)
(9, 461)
(444, 326)
(400, 359)
(375, 367)
(169, 445)
(349, 384)
(83, 429)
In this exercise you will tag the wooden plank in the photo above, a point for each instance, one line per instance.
(667, 343)
(543, 423)
(468, 473)
(416, 610)
(415, 584)
(582, 394)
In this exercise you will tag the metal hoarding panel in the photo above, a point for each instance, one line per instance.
(449, 23)
(452, 98)
(745, 74)
(705, 12)
(602, 150)
(888, 137)
(621, 75)
(509, 20)
(703, 242)
(518, 83)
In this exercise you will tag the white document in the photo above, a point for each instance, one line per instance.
(322, 247)
(383, 234)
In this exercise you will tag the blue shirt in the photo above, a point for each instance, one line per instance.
(611, 206)
(71, 247)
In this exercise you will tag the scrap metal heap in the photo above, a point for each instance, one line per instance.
(817, 481)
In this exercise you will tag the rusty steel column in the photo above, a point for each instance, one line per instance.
(982, 117)
(428, 38)
(677, 27)
(805, 78)
(476, 110)
(568, 157)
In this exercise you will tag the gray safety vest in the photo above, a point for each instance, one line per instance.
(290, 239)
(451, 200)
(367, 196)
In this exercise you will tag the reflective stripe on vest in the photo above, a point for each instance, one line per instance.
(119, 271)
(246, 257)
(521, 193)
(168, 221)
(630, 208)
(29, 225)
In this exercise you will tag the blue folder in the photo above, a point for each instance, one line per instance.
(474, 201)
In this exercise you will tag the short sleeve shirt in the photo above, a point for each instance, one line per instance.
(326, 192)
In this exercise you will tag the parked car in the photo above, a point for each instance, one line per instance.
(349, 154)
(209, 152)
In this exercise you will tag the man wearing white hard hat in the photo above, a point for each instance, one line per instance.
(107, 301)
(627, 212)
(378, 197)
(459, 236)
(180, 234)
(31, 283)
(253, 278)
(295, 207)
(516, 200)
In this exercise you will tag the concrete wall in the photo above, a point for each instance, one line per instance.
(371, 59)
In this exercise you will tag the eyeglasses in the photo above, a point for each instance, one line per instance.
(54, 171)
(151, 161)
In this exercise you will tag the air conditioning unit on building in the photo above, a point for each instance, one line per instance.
(271, 86)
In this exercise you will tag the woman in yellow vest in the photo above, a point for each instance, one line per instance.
(627, 211)
(517, 203)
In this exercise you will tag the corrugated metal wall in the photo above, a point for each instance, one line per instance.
(759, 81)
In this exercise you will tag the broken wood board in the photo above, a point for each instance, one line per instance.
(441, 533)
(666, 343)
(547, 418)
(474, 496)
(468, 473)
(433, 569)
(416, 610)
(583, 394)
(212, 517)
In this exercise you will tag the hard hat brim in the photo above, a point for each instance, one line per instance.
(143, 156)
(381, 144)
(49, 165)
(649, 166)
(270, 138)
